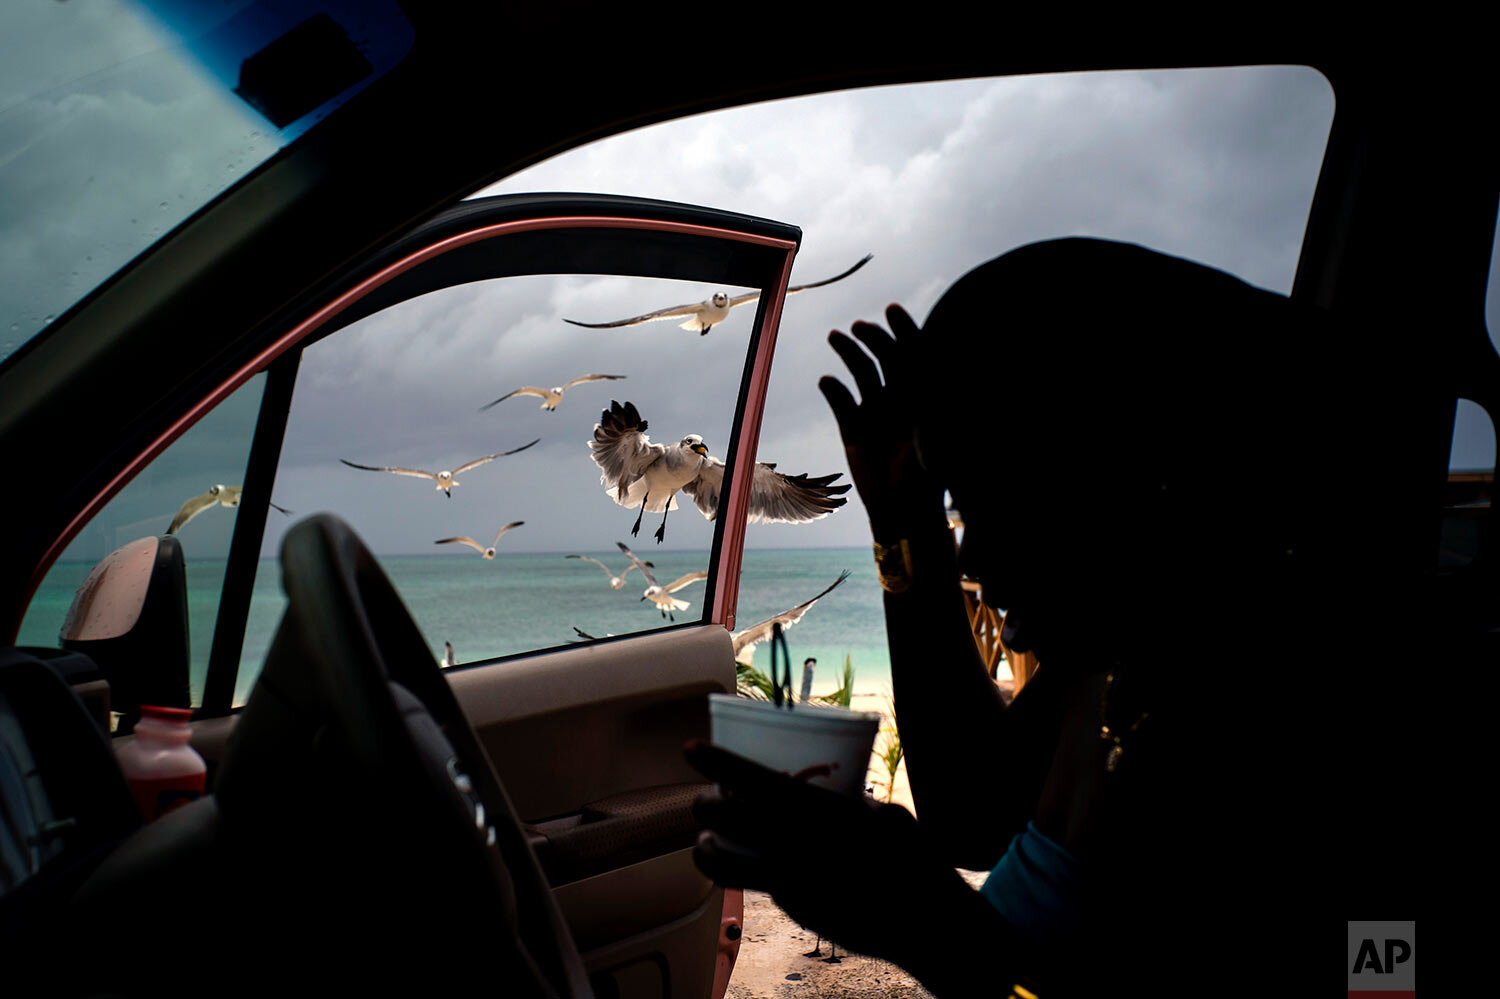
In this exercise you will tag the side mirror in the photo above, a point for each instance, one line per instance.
(130, 617)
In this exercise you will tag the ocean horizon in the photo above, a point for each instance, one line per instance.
(525, 602)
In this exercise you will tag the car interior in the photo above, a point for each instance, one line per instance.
(374, 820)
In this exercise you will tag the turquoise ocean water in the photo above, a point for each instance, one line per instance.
(524, 602)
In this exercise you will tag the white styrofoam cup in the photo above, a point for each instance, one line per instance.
(833, 742)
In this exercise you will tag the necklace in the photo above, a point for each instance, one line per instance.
(1111, 734)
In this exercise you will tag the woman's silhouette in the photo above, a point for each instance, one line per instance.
(1144, 452)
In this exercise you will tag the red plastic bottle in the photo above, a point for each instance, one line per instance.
(163, 770)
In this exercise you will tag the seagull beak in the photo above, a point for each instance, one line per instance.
(701, 449)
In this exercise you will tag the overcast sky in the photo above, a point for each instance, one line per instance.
(1215, 165)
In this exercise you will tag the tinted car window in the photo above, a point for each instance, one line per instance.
(120, 119)
(192, 490)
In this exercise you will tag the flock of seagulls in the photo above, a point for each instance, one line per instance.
(637, 472)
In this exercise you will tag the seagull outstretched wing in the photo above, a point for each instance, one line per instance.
(417, 472)
(192, 508)
(507, 527)
(621, 448)
(753, 295)
(540, 393)
(682, 581)
(581, 379)
(607, 570)
(464, 540)
(643, 566)
(461, 469)
(746, 641)
(774, 498)
(675, 312)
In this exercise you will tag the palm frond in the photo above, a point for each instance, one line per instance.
(844, 696)
(752, 683)
(890, 752)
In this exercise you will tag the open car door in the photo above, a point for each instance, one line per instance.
(357, 401)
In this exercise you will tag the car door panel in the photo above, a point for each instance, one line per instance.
(651, 928)
(567, 728)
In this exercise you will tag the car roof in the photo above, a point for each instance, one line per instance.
(483, 95)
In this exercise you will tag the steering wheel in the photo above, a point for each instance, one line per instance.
(360, 806)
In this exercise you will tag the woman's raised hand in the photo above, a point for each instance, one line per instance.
(879, 430)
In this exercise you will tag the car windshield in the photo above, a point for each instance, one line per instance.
(119, 119)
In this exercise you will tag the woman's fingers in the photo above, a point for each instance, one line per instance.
(879, 343)
(866, 375)
(902, 325)
(727, 864)
(845, 409)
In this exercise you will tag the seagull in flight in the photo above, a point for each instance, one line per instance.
(552, 396)
(448, 657)
(481, 549)
(445, 479)
(661, 595)
(221, 494)
(615, 582)
(705, 315)
(636, 471)
(746, 641)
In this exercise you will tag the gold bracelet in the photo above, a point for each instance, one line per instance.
(893, 566)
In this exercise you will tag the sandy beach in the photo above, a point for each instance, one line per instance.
(878, 775)
(776, 961)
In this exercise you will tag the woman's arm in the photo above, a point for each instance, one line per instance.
(976, 767)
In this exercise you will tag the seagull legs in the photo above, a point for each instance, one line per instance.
(704, 330)
(661, 531)
(636, 530)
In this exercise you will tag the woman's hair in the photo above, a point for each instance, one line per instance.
(1131, 405)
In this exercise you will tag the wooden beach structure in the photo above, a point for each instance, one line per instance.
(986, 624)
